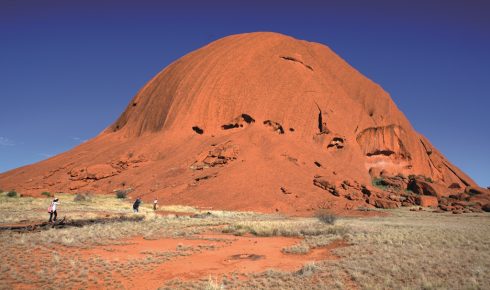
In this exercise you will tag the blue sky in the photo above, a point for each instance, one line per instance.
(69, 68)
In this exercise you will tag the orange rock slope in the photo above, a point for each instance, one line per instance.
(256, 121)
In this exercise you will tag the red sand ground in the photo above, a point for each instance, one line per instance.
(249, 122)
(243, 255)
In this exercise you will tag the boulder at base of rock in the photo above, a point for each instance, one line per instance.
(486, 207)
(425, 188)
(427, 201)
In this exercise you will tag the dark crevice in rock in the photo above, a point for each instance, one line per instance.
(198, 130)
(248, 119)
(381, 152)
(337, 143)
(457, 175)
(274, 125)
(427, 149)
(290, 58)
(229, 126)
(204, 177)
(238, 122)
(322, 122)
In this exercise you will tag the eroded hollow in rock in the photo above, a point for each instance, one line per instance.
(230, 126)
(239, 122)
(247, 118)
(198, 130)
(275, 126)
(381, 152)
(336, 143)
(384, 141)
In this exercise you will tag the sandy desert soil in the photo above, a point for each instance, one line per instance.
(202, 249)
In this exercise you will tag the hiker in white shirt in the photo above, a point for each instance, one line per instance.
(52, 210)
(155, 202)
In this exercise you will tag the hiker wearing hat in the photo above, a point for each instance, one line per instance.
(52, 210)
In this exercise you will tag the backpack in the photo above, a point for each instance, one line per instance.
(50, 208)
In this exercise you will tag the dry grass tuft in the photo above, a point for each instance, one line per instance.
(285, 228)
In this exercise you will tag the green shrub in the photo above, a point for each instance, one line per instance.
(411, 176)
(45, 193)
(428, 179)
(12, 193)
(379, 183)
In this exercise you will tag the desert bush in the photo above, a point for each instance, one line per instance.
(213, 284)
(299, 249)
(45, 193)
(80, 197)
(12, 193)
(428, 179)
(379, 183)
(308, 269)
(326, 217)
(121, 193)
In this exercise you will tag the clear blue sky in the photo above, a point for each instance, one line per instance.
(69, 68)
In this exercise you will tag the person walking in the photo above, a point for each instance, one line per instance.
(52, 210)
(136, 205)
(155, 202)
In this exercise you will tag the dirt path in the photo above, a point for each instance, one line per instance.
(64, 223)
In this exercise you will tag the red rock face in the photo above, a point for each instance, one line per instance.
(255, 113)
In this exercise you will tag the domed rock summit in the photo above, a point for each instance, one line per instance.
(263, 122)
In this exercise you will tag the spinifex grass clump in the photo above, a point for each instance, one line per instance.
(326, 217)
(46, 193)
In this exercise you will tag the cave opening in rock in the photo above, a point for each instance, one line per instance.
(198, 130)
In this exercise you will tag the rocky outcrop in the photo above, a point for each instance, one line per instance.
(427, 201)
(219, 155)
(234, 108)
